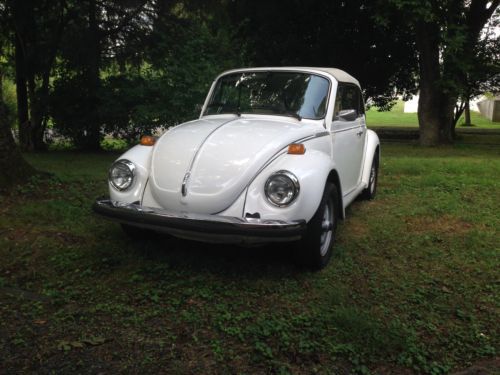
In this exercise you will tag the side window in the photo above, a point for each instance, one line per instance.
(348, 98)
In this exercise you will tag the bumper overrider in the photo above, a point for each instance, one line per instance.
(210, 228)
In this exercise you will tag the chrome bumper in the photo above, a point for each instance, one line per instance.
(207, 228)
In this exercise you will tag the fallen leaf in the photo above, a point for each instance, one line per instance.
(64, 345)
(77, 344)
(94, 340)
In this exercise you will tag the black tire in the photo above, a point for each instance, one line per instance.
(371, 190)
(315, 249)
(137, 233)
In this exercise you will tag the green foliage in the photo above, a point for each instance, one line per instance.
(9, 99)
(341, 34)
(458, 55)
(127, 68)
(138, 93)
(72, 110)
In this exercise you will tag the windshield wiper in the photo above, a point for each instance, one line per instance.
(225, 108)
(292, 114)
(280, 111)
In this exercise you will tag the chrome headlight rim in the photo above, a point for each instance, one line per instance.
(132, 168)
(295, 183)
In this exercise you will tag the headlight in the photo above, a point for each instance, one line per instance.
(121, 174)
(282, 188)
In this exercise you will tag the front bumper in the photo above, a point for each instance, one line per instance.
(207, 228)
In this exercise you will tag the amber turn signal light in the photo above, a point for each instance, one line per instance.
(147, 140)
(296, 149)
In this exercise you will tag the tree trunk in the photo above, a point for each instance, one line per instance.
(13, 168)
(467, 113)
(38, 108)
(30, 141)
(30, 119)
(34, 61)
(94, 81)
(459, 110)
(21, 91)
(435, 107)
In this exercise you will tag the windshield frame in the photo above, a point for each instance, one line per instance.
(249, 71)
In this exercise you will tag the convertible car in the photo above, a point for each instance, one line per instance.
(276, 155)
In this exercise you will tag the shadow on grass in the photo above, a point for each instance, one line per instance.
(275, 260)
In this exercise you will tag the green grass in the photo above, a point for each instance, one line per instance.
(397, 117)
(413, 285)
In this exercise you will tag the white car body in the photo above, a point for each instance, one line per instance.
(216, 166)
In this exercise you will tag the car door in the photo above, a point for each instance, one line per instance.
(348, 131)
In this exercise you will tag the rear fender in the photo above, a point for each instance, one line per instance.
(372, 150)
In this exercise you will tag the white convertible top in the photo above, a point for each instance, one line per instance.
(338, 74)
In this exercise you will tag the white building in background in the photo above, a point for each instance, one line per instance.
(411, 106)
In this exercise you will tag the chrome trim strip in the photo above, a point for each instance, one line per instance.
(160, 219)
(321, 134)
(346, 129)
(351, 191)
(144, 190)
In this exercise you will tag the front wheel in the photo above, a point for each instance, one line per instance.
(315, 249)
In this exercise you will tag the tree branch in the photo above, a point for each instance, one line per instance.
(478, 15)
(125, 20)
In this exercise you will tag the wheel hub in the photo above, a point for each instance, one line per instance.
(327, 227)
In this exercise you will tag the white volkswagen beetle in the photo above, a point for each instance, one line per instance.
(277, 154)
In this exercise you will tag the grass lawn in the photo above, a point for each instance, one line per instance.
(413, 285)
(397, 117)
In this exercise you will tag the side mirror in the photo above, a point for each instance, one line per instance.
(198, 107)
(346, 115)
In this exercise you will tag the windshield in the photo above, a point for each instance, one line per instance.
(300, 95)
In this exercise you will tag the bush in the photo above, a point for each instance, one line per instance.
(74, 111)
(10, 100)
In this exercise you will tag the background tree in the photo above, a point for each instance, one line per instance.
(156, 62)
(90, 46)
(13, 167)
(89, 68)
(342, 34)
(483, 72)
(446, 34)
(36, 27)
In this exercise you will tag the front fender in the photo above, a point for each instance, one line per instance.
(312, 170)
(141, 157)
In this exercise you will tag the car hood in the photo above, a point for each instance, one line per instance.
(204, 165)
